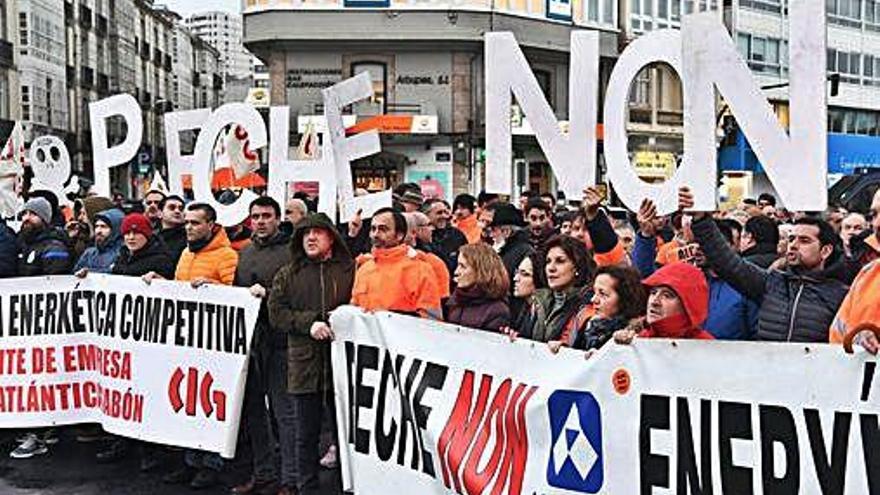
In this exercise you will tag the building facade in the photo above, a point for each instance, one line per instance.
(10, 59)
(223, 31)
(426, 62)
(74, 52)
(43, 68)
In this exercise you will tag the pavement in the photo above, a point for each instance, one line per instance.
(70, 469)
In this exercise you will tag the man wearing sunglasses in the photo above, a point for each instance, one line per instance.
(173, 232)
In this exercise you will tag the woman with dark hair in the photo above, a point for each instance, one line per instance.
(619, 301)
(528, 278)
(561, 311)
(480, 296)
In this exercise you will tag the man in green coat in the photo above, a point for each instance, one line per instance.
(318, 279)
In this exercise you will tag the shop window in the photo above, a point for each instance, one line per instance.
(379, 78)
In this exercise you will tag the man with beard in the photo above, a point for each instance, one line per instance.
(100, 257)
(258, 263)
(42, 249)
(173, 233)
(796, 305)
(393, 277)
(540, 219)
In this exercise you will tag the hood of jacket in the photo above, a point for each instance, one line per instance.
(689, 283)
(319, 221)
(113, 217)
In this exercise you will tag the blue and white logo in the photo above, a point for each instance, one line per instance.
(576, 437)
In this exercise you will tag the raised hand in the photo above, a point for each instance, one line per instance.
(647, 218)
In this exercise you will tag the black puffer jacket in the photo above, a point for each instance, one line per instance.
(174, 240)
(153, 257)
(44, 253)
(794, 307)
(762, 255)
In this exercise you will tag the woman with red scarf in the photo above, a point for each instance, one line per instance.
(678, 303)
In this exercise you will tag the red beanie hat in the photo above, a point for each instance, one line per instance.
(136, 222)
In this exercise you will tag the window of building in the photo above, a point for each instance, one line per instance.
(844, 12)
(545, 82)
(378, 76)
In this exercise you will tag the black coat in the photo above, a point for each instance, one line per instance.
(258, 263)
(8, 252)
(446, 243)
(175, 241)
(794, 306)
(44, 253)
(762, 255)
(153, 257)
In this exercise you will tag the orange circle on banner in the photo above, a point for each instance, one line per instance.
(621, 381)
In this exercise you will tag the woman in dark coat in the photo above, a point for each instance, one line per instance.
(480, 297)
(142, 251)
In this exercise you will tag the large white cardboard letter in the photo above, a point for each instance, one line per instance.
(572, 157)
(796, 164)
(105, 157)
(283, 170)
(346, 149)
(658, 46)
(178, 165)
(231, 113)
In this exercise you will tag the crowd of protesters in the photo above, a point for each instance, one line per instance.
(568, 274)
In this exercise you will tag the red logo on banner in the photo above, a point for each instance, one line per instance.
(196, 393)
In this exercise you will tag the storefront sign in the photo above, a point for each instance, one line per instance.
(397, 124)
(419, 80)
(654, 165)
(319, 78)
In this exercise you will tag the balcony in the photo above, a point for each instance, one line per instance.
(6, 54)
(85, 17)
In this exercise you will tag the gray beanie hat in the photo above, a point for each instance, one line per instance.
(41, 208)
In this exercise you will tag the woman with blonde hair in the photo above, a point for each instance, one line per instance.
(480, 296)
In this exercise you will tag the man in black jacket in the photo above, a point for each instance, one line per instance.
(42, 248)
(445, 239)
(173, 232)
(796, 305)
(257, 265)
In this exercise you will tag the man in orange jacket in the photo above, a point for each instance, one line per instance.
(860, 306)
(464, 209)
(394, 276)
(207, 259)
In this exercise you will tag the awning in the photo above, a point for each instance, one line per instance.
(397, 124)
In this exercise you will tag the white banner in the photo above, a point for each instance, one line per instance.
(163, 363)
(426, 407)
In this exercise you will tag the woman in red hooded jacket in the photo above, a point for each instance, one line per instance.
(678, 303)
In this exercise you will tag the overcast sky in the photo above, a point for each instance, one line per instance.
(187, 7)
